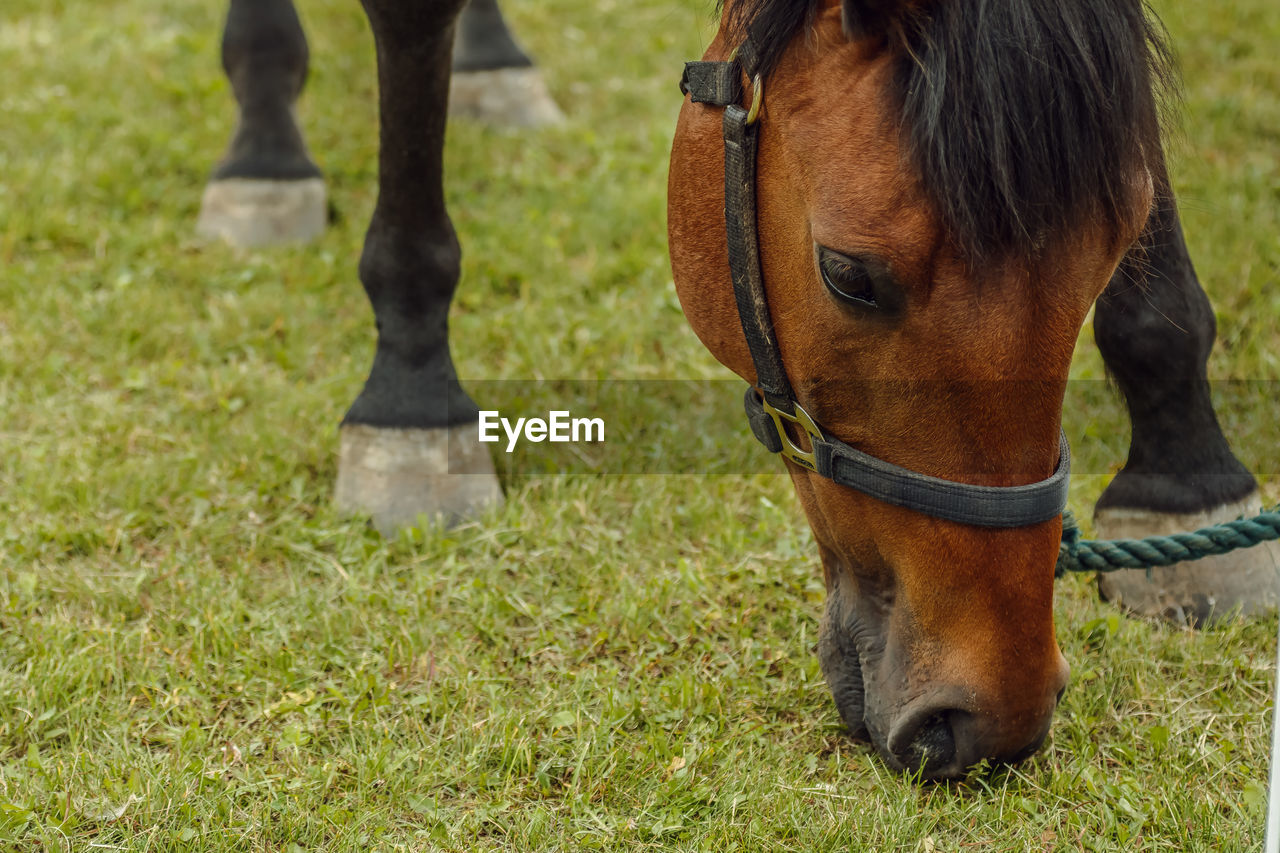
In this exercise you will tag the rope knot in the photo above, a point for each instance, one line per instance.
(1068, 551)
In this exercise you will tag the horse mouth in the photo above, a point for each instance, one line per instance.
(841, 663)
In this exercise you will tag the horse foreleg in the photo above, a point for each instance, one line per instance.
(409, 442)
(266, 190)
(494, 80)
(1155, 329)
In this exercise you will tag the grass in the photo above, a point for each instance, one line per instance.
(197, 653)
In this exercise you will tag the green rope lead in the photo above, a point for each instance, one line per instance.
(1108, 555)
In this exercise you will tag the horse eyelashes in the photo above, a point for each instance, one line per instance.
(847, 279)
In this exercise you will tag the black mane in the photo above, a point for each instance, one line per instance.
(1019, 116)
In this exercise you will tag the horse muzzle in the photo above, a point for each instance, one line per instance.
(948, 729)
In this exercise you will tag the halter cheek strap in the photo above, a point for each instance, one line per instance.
(719, 84)
(771, 406)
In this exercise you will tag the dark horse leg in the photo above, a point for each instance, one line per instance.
(409, 441)
(1155, 329)
(494, 81)
(266, 190)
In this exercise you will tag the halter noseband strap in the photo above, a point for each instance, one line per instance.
(772, 404)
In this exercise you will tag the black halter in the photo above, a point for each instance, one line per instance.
(772, 404)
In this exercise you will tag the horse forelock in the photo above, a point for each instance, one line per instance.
(1020, 118)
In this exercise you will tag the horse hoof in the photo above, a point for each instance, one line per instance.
(252, 213)
(399, 477)
(1197, 592)
(503, 97)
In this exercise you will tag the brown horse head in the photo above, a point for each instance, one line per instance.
(940, 199)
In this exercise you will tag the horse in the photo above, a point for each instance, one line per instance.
(941, 192)
(406, 448)
(892, 220)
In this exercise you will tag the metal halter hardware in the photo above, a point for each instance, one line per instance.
(771, 404)
(791, 450)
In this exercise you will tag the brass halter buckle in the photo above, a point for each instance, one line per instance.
(791, 450)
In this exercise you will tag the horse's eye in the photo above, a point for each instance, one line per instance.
(847, 278)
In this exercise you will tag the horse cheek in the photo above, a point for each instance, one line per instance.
(696, 237)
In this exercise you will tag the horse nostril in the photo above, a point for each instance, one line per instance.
(933, 746)
(943, 739)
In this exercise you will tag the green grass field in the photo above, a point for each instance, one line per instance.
(198, 654)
